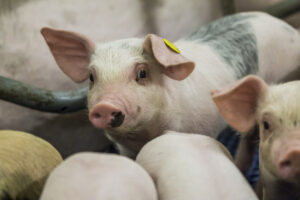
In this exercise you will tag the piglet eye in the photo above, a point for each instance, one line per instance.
(266, 125)
(91, 77)
(142, 74)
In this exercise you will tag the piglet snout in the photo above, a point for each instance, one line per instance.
(289, 164)
(104, 115)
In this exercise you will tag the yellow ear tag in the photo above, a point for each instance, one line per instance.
(171, 46)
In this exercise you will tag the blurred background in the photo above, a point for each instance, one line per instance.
(25, 57)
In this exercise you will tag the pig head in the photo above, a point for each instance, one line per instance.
(276, 110)
(126, 94)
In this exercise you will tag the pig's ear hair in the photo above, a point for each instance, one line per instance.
(71, 51)
(237, 102)
(175, 65)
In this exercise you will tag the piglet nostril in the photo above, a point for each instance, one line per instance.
(117, 119)
(96, 116)
(286, 163)
(106, 115)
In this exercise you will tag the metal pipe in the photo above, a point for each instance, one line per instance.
(284, 8)
(41, 99)
(280, 10)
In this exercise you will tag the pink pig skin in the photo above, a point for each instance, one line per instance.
(98, 176)
(195, 167)
(140, 87)
(276, 111)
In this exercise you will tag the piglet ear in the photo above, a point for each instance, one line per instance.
(71, 51)
(237, 102)
(175, 65)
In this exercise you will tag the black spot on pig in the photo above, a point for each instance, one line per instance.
(117, 120)
(295, 123)
(233, 39)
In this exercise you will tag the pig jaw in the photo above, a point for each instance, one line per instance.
(280, 190)
(275, 187)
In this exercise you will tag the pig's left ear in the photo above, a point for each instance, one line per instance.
(71, 52)
(176, 66)
(237, 103)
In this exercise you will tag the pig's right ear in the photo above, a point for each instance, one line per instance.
(71, 51)
(237, 103)
(175, 65)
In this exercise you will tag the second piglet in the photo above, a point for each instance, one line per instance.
(97, 176)
(194, 167)
(276, 110)
(141, 87)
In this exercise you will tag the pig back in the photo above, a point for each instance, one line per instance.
(225, 51)
(89, 175)
(190, 166)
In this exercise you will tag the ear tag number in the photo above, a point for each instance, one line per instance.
(171, 46)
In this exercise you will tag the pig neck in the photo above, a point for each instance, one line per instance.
(280, 190)
(133, 141)
(189, 107)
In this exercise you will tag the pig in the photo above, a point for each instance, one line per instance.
(192, 166)
(275, 110)
(140, 87)
(24, 56)
(99, 176)
(26, 161)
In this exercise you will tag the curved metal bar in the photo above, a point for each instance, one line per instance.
(280, 10)
(284, 8)
(41, 99)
